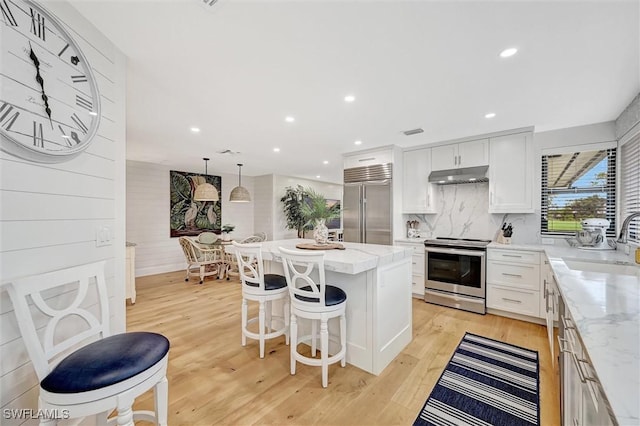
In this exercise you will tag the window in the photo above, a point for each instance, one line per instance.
(577, 185)
(630, 185)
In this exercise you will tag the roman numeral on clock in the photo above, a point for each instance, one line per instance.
(38, 27)
(63, 49)
(38, 135)
(78, 78)
(83, 128)
(6, 117)
(7, 16)
(84, 103)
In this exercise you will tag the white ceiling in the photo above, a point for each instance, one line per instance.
(238, 68)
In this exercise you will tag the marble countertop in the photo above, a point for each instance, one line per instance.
(417, 240)
(356, 257)
(606, 310)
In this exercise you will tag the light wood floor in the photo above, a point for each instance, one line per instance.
(214, 380)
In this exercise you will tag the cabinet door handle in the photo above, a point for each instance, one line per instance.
(583, 376)
(459, 160)
(455, 160)
(512, 255)
(511, 300)
(561, 344)
(512, 275)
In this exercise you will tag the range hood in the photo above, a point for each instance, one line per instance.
(461, 175)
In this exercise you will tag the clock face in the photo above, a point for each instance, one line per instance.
(49, 101)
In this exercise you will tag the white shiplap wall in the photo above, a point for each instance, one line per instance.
(49, 213)
(148, 216)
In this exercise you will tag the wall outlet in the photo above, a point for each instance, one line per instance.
(104, 236)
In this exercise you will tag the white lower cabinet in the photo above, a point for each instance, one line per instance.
(513, 281)
(583, 402)
(417, 266)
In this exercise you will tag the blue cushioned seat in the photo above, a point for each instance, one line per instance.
(332, 295)
(271, 282)
(106, 362)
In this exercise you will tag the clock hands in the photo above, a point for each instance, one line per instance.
(40, 81)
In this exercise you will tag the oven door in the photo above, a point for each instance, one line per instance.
(455, 270)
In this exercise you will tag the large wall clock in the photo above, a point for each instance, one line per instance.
(49, 100)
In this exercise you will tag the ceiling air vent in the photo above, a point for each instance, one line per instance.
(413, 131)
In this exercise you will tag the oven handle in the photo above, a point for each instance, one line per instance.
(455, 251)
(454, 297)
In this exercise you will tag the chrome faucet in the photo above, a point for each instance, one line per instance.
(622, 238)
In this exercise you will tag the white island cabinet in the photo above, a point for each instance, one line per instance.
(377, 281)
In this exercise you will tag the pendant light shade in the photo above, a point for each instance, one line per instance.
(206, 191)
(239, 194)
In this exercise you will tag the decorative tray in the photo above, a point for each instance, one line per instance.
(311, 246)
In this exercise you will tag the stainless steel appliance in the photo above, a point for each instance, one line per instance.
(367, 204)
(455, 273)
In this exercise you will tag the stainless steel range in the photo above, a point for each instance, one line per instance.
(455, 273)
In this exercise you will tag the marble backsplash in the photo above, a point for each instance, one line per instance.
(463, 212)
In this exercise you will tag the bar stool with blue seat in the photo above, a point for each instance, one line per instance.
(264, 289)
(317, 301)
(80, 379)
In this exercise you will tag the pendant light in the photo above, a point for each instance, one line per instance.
(205, 191)
(239, 194)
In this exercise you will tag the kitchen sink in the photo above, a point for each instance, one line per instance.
(602, 266)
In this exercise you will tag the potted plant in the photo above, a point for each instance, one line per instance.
(316, 212)
(226, 230)
(292, 201)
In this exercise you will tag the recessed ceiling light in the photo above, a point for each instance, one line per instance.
(276, 149)
(195, 130)
(349, 98)
(317, 176)
(289, 119)
(358, 142)
(325, 162)
(506, 53)
(490, 115)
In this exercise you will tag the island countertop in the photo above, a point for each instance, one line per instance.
(354, 259)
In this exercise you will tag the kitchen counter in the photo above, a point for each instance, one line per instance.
(356, 257)
(606, 310)
(377, 281)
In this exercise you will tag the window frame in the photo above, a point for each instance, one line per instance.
(610, 187)
(630, 188)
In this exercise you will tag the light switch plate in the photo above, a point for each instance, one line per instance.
(103, 236)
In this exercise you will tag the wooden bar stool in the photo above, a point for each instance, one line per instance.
(264, 289)
(318, 302)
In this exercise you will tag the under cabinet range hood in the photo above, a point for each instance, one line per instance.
(461, 175)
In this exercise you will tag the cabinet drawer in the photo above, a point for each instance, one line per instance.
(417, 247)
(417, 284)
(417, 264)
(516, 256)
(517, 301)
(513, 275)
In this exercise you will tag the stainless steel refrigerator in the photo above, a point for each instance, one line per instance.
(367, 201)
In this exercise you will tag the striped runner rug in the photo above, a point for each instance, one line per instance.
(486, 382)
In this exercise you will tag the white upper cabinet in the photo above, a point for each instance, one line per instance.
(464, 154)
(417, 192)
(511, 174)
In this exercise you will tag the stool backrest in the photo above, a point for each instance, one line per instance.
(250, 266)
(298, 266)
(72, 290)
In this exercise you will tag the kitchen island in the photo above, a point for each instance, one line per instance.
(377, 281)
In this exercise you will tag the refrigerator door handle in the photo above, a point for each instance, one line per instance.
(363, 213)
